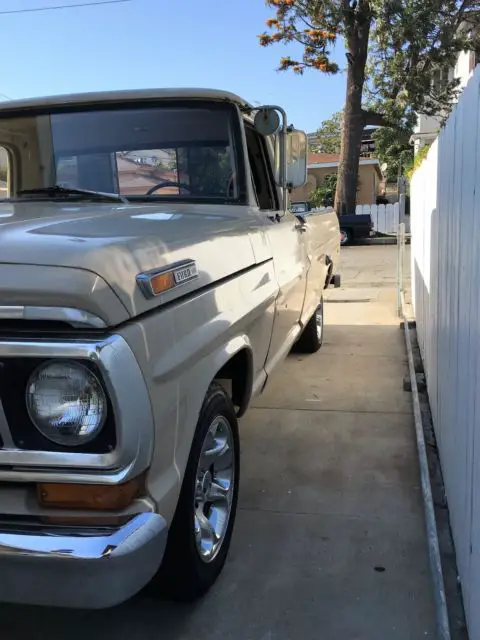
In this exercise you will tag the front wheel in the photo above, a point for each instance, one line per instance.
(311, 338)
(201, 531)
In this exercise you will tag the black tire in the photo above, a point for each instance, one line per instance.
(345, 236)
(336, 281)
(311, 338)
(184, 576)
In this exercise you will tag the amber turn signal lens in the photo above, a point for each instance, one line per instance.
(90, 496)
(162, 282)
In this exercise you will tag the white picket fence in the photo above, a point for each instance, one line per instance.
(445, 228)
(385, 217)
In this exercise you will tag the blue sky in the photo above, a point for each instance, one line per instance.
(155, 43)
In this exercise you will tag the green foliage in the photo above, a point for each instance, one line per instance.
(412, 47)
(4, 172)
(209, 169)
(393, 148)
(324, 194)
(410, 43)
(398, 52)
(329, 135)
(169, 164)
(419, 158)
(311, 23)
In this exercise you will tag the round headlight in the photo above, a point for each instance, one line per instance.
(66, 403)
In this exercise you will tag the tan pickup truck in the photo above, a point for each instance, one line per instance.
(151, 279)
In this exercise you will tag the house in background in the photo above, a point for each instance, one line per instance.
(323, 164)
(367, 148)
(428, 127)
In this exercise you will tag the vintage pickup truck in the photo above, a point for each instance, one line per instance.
(151, 279)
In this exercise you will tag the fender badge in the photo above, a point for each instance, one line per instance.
(154, 283)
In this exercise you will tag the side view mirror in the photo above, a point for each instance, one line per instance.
(296, 158)
(291, 148)
(295, 146)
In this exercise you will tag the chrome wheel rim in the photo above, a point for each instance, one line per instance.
(319, 320)
(214, 486)
(343, 237)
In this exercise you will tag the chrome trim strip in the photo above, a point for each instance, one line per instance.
(5, 434)
(77, 318)
(132, 411)
(79, 542)
(11, 313)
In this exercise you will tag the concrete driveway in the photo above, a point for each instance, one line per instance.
(329, 541)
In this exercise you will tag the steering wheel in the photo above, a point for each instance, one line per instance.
(167, 183)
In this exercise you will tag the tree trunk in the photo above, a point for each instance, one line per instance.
(354, 117)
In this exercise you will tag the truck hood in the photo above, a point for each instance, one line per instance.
(110, 244)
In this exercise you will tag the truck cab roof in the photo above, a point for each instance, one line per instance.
(123, 96)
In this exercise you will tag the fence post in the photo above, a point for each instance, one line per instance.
(402, 217)
(400, 265)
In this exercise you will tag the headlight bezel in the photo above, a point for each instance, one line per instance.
(35, 419)
(16, 373)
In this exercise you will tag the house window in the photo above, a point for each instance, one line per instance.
(4, 173)
(473, 61)
(437, 80)
(441, 77)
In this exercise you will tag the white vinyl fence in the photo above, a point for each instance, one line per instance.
(385, 217)
(445, 227)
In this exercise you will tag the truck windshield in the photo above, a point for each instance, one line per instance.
(148, 153)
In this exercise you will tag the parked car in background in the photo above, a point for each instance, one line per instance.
(141, 311)
(355, 227)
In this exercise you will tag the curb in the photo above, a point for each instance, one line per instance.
(440, 599)
(369, 241)
(384, 240)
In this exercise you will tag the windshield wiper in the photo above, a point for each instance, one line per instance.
(58, 192)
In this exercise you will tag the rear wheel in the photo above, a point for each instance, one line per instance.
(311, 338)
(201, 531)
(344, 236)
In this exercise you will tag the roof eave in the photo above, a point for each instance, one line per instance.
(326, 165)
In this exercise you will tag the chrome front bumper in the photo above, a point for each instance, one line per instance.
(80, 568)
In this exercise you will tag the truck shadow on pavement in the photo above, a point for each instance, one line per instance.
(141, 617)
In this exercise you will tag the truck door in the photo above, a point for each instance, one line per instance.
(287, 244)
(321, 238)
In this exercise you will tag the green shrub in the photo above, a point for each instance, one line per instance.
(324, 194)
(417, 161)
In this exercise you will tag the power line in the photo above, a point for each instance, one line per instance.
(94, 3)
